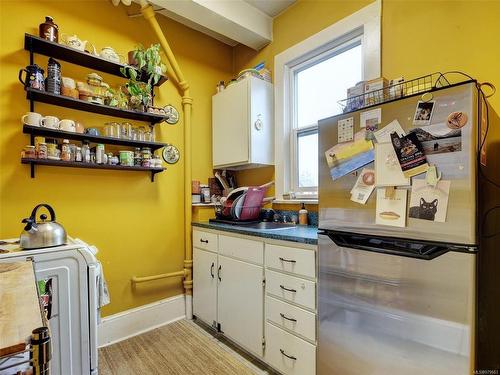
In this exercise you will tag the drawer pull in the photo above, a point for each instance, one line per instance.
(218, 273)
(287, 318)
(287, 260)
(212, 270)
(288, 289)
(203, 241)
(288, 356)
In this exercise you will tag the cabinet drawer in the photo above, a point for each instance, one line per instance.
(290, 288)
(298, 261)
(293, 318)
(241, 248)
(205, 240)
(288, 353)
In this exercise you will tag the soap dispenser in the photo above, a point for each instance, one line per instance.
(303, 215)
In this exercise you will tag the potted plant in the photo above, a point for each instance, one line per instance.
(140, 94)
(146, 60)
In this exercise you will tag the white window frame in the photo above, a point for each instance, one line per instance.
(362, 26)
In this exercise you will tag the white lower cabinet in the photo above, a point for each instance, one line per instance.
(276, 323)
(288, 353)
(205, 290)
(240, 303)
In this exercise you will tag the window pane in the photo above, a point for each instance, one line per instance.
(307, 152)
(321, 86)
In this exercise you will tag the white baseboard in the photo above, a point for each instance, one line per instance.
(129, 323)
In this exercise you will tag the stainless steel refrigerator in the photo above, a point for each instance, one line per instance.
(400, 300)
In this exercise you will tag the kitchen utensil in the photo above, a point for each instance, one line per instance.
(252, 203)
(49, 30)
(38, 234)
(110, 54)
(67, 125)
(31, 118)
(51, 122)
(73, 41)
(34, 77)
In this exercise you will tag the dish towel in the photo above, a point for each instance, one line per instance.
(102, 288)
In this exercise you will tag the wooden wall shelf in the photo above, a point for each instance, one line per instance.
(70, 164)
(82, 105)
(41, 46)
(52, 133)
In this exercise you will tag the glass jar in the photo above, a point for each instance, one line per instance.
(65, 151)
(72, 152)
(146, 157)
(86, 152)
(42, 151)
(137, 156)
(126, 130)
(148, 135)
(29, 152)
(157, 162)
(140, 133)
(78, 154)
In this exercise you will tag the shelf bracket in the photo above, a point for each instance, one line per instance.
(32, 167)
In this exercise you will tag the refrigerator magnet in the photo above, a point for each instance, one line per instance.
(423, 113)
(428, 202)
(364, 186)
(391, 211)
(345, 130)
(410, 154)
(457, 120)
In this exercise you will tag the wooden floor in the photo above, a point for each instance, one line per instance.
(180, 348)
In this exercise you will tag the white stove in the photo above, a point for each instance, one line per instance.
(67, 278)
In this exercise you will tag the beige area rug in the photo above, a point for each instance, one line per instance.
(180, 348)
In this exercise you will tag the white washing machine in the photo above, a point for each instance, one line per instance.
(67, 278)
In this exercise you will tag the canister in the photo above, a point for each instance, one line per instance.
(127, 158)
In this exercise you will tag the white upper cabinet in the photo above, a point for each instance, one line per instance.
(242, 125)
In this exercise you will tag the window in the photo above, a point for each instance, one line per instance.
(318, 84)
(310, 78)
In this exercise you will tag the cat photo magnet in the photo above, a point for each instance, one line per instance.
(428, 202)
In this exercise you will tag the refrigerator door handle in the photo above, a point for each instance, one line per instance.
(392, 246)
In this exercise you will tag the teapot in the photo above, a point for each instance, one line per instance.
(42, 233)
(74, 42)
(110, 54)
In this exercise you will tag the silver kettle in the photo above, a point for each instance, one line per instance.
(42, 233)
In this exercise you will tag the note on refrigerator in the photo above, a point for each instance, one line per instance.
(345, 130)
(391, 211)
(364, 186)
(387, 168)
(384, 135)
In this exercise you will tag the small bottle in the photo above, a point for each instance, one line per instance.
(65, 151)
(99, 153)
(86, 152)
(78, 154)
(303, 215)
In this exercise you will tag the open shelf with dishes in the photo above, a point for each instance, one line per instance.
(54, 50)
(35, 44)
(82, 105)
(70, 164)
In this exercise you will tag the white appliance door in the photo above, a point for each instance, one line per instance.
(66, 276)
(338, 212)
(383, 314)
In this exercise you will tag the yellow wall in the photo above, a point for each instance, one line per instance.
(418, 37)
(136, 224)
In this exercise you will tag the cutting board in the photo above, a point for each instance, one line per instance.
(20, 311)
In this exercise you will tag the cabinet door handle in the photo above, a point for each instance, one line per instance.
(287, 260)
(288, 289)
(204, 241)
(212, 269)
(287, 318)
(288, 356)
(218, 273)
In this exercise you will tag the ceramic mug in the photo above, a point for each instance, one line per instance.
(50, 122)
(32, 119)
(79, 128)
(67, 125)
(92, 131)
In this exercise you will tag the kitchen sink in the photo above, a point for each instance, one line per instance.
(269, 225)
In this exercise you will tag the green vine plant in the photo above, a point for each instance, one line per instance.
(149, 61)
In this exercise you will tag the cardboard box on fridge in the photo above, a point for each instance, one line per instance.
(374, 91)
(355, 97)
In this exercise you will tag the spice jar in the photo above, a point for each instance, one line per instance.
(156, 162)
(78, 154)
(85, 152)
(65, 151)
(137, 156)
(42, 151)
(146, 157)
(29, 152)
